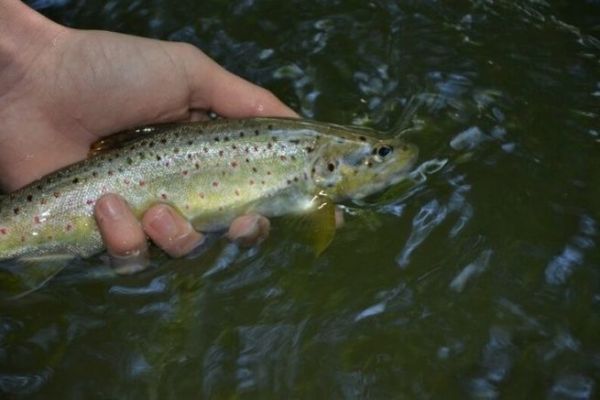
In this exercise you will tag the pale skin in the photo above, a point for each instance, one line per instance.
(62, 89)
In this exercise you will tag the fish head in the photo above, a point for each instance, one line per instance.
(356, 166)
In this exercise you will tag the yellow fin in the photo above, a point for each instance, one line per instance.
(28, 274)
(321, 227)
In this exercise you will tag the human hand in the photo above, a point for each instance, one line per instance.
(63, 89)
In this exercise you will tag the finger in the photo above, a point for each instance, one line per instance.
(122, 234)
(249, 229)
(214, 88)
(170, 231)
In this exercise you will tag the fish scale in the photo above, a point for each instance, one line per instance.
(210, 171)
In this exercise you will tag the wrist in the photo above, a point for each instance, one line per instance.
(24, 33)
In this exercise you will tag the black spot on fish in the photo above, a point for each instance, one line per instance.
(241, 134)
(29, 198)
(226, 138)
(158, 158)
(129, 161)
(16, 210)
(269, 145)
(176, 150)
(75, 181)
(197, 166)
(309, 149)
(151, 144)
(217, 139)
(256, 132)
(94, 174)
(331, 167)
(142, 155)
(270, 127)
(189, 156)
(254, 169)
(294, 141)
(163, 141)
(190, 142)
(362, 138)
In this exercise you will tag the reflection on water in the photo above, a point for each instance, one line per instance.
(478, 279)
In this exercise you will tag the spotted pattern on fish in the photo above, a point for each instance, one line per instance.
(210, 171)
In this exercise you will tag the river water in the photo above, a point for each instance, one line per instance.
(481, 281)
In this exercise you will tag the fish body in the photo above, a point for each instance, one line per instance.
(210, 172)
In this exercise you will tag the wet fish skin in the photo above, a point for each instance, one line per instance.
(210, 171)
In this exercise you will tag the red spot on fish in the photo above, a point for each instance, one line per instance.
(43, 201)
(89, 202)
(283, 158)
(215, 183)
(16, 210)
(184, 173)
(56, 194)
(268, 172)
(167, 164)
(251, 182)
(126, 181)
(36, 219)
(234, 164)
(142, 183)
(220, 153)
(110, 173)
(201, 195)
(68, 227)
(3, 231)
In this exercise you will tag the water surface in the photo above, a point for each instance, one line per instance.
(482, 281)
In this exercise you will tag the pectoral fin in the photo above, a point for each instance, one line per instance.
(321, 226)
(26, 275)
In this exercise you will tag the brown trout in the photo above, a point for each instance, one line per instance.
(210, 171)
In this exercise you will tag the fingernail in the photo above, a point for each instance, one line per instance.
(249, 229)
(111, 207)
(131, 263)
(164, 221)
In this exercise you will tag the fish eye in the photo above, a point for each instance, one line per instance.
(384, 150)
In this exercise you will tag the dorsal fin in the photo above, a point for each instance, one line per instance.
(120, 139)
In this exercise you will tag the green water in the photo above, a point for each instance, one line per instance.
(480, 282)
